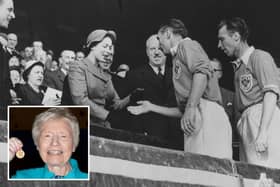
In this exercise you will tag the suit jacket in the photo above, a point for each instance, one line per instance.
(5, 83)
(157, 91)
(89, 85)
(54, 79)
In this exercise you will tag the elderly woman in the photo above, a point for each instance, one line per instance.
(55, 133)
(33, 92)
(90, 81)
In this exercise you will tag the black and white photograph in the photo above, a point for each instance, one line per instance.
(177, 93)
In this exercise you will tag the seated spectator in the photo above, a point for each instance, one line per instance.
(50, 54)
(37, 46)
(32, 92)
(41, 56)
(15, 77)
(28, 53)
(54, 65)
(55, 79)
(80, 56)
(49, 59)
(11, 44)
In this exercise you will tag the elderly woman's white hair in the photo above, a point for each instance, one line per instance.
(53, 114)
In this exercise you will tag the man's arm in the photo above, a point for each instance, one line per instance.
(269, 104)
(198, 86)
(147, 106)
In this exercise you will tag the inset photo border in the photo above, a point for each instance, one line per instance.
(27, 124)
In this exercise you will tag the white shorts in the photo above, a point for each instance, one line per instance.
(248, 126)
(214, 138)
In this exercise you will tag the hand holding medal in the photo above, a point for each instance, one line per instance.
(15, 149)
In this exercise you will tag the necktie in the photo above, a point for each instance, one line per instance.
(160, 75)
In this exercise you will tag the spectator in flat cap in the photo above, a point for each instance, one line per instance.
(90, 81)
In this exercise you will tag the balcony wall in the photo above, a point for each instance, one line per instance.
(119, 163)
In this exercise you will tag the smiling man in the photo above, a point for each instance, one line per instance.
(257, 83)
(155, 79)
(6, 15)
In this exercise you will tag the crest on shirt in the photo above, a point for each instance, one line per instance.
(177, 70)
(246, 82)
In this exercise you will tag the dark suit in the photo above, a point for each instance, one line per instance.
(160, 92)
(5, 83)
(54, 79)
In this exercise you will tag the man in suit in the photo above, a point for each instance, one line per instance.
(11, 44)
(55, 79)
(6, 15)
(155, 80)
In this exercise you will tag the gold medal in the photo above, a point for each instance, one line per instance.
(20, 154)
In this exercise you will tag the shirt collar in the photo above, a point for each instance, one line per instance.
(71, 174)
(64, 71)
(245, 57)
(155, 68)
(10, 50)
(174, 49)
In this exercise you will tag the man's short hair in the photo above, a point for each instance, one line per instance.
(152, 37)
(236, 24)
(176, 26)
